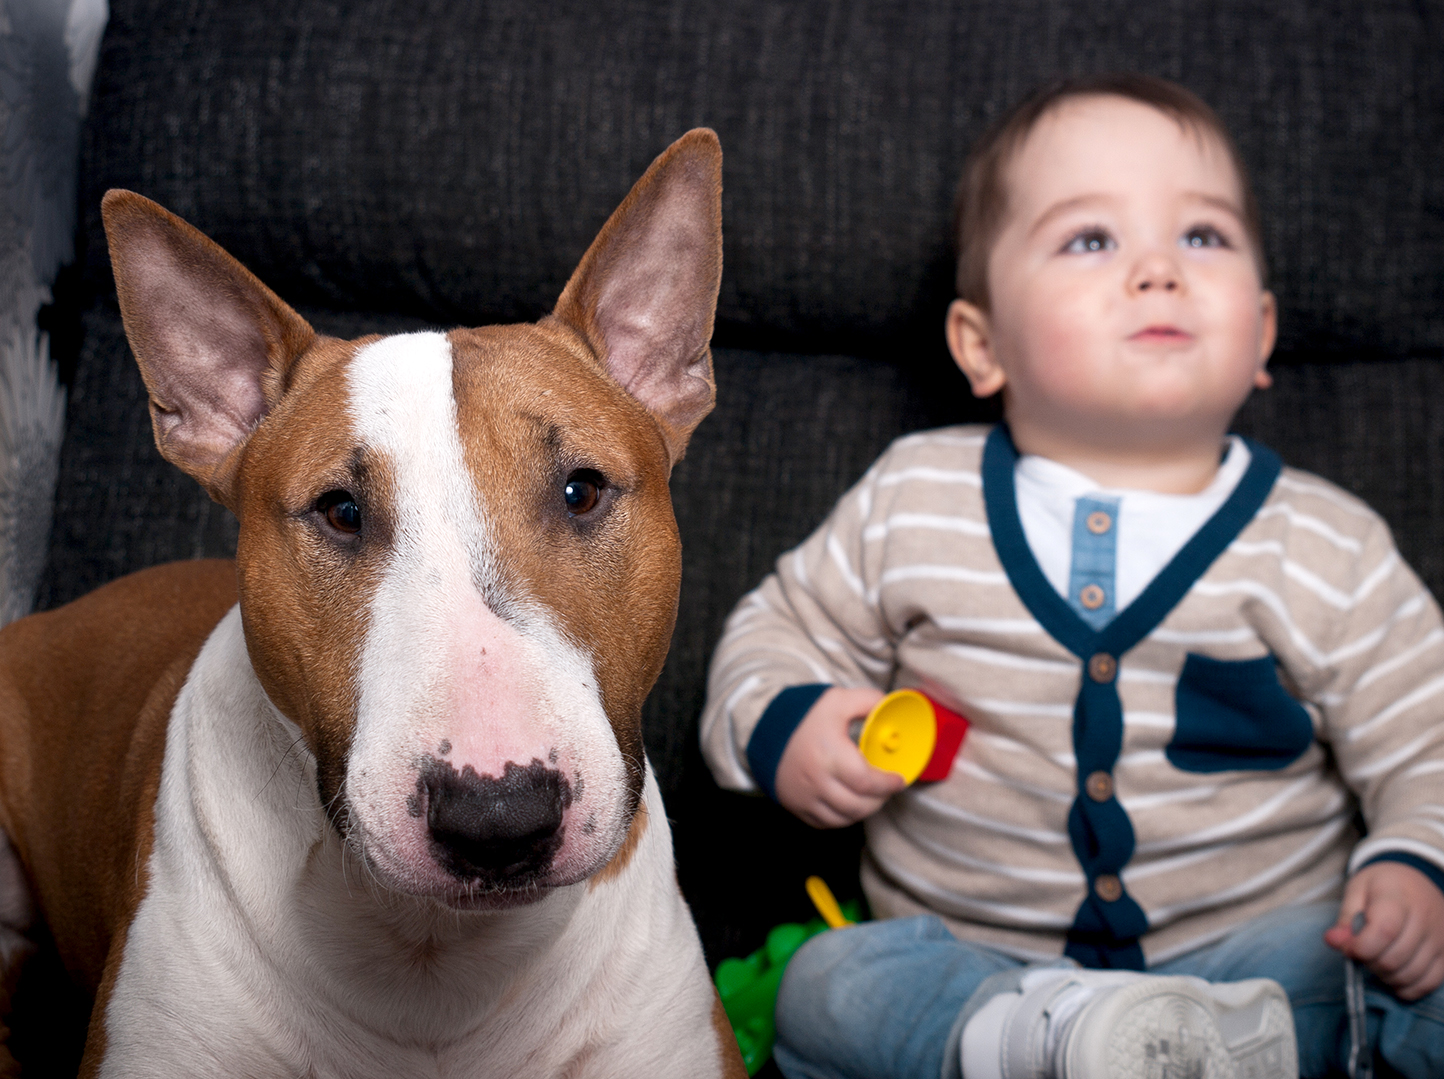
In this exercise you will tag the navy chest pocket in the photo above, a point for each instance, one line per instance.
(1235, 714)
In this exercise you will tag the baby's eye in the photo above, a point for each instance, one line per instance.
(1204, 236)
(1089, 241)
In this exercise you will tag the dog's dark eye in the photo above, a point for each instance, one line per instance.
(583, 491)
(341, 511)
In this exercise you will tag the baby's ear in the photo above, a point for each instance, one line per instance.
(1268, 334)
(970, 340)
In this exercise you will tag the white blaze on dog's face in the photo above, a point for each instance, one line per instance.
(458, 561)
(476, 703)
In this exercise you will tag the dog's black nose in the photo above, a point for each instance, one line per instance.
(498, 831)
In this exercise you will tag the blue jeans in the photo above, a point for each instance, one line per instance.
(877, 1001)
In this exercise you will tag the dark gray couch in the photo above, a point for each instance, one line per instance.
(387, 166)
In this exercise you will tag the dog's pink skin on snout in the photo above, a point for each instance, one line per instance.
(496, 705)
(495, 712)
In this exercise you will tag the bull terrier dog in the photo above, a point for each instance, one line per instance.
(372, 799)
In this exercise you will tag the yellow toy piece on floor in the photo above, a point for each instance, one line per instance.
(826, 903)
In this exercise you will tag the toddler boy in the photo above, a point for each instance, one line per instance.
(1186, 667)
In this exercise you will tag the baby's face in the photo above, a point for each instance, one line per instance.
(1127, 306)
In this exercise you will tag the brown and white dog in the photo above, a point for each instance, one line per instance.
(372, 800)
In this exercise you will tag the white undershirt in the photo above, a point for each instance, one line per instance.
(1152, 527)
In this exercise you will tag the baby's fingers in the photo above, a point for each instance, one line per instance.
(1413, 962)
(864, 780)
(1397, 963)
(1384, 922)
(822, 815)
(843, 806)
(1408, 980)
(1430, 978)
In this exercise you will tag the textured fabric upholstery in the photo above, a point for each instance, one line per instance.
(388, 166)
(453, 160)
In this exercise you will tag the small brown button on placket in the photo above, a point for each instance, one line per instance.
(1091, 596)
(1102, 667)
(1099, 786)
(1098, 522)
(1108, 887)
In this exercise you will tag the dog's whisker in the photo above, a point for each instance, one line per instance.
(275, 771)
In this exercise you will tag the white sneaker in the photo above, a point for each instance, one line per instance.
(1076, 1024)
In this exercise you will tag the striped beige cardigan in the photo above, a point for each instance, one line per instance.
(902, 587)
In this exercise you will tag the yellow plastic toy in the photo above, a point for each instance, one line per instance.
(899, 734)
(911, 734)
(826, 903)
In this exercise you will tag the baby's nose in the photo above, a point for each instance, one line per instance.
(1156, 271)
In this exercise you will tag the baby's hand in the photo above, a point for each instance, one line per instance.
(822, 777)
(1402, 938)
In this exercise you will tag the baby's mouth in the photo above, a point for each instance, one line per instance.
(1161, 335)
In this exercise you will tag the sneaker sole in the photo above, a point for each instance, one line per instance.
(1185, 1028)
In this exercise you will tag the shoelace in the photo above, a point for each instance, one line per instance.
(1061, 1013)
(1361, 1061)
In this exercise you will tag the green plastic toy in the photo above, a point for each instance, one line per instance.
(748, 987)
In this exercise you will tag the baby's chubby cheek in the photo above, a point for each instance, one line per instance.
(1056, 354)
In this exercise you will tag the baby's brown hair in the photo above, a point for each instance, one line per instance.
(981, 203)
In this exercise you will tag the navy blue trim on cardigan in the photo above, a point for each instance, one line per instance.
(1429, 869)
(774, 731)
(1109, 922)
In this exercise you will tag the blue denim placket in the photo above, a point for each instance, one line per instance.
(1092, 574)
(1109, 921)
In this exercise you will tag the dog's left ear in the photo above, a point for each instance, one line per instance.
(645, 293)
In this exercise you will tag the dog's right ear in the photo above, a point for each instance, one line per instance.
(645, 294)
(214, 345)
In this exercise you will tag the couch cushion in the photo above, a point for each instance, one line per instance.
(452, 161)
(443, 163)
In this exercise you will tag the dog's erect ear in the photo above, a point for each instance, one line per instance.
(214, 345)
(645, 293)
